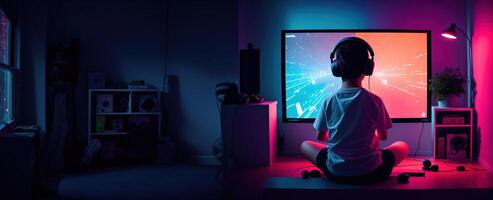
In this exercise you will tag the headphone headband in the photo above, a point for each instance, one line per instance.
(352, 39)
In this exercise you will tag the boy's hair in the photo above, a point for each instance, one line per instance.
(353, 57)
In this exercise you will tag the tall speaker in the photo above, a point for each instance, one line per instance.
(250, 71)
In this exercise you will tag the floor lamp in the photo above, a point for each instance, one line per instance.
(451, 33)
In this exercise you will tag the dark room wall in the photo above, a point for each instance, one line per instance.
(30, 91)
(125, 39)
(262, 22)
(482, 43)
(203, 51)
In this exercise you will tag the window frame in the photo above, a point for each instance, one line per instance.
(11, 67)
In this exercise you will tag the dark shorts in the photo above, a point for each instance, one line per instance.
(377, 175)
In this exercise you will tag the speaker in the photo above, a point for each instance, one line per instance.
(440, 148)
(104, 103)
(148, 103)
(250, 71)
(457, 147)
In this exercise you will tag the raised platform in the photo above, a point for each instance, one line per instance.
(474, 183)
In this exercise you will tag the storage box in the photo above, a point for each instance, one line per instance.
(453, 120)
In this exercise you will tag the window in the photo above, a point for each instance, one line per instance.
(6, 69)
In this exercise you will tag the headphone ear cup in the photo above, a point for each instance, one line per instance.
(305, 174)
(369, 67)
(315, 173)
(336, 68)
(434, 168)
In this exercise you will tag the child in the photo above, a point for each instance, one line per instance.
(347, 121)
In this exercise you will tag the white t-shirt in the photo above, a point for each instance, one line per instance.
(351, 116)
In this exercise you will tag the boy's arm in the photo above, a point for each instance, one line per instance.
(323, 135)
(320, 123)
(384, 122)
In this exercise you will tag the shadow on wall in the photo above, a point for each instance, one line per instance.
(173, 116)
(476, 132)
(476, 138)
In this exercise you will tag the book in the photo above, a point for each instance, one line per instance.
(100, 123)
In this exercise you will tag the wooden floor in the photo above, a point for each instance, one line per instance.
(448, 183)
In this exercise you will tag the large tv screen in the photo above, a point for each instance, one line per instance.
(400, 77)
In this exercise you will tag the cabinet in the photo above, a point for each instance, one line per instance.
(19, 168)
(452, 130)
(249, 134)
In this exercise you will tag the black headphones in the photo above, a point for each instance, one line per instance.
(337, 66)
(228, 93)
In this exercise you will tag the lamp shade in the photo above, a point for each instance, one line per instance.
(450, 32)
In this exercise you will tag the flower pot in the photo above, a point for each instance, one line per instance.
(450, 101)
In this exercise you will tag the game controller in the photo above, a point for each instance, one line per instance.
(403, 178)
(310, 174)
(428, 167)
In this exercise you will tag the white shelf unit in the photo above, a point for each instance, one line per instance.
(440, 129)
(131, 93)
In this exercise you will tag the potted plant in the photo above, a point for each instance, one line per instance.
(447, 86)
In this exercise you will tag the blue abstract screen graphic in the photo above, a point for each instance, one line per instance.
(308, 76)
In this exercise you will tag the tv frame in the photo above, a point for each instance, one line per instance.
(394, 120)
